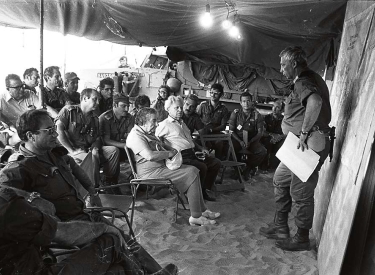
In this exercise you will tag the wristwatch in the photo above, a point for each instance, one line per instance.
(33, 196)
(304, 133)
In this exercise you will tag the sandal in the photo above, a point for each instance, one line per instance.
(200, 221)
(210, 215)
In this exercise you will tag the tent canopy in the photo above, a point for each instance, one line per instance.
(267, 27)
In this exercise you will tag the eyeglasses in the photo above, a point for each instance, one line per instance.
(51, 130)
(23, 85)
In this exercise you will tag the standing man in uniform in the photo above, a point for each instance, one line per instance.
(215, 115)
(247, 126)
(78, 129)
(307, 115)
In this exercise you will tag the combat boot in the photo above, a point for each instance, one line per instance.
(279, 229)
(299, 242)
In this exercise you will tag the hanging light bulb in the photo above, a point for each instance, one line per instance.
(206, 19)
(226, 24)
(234, 31)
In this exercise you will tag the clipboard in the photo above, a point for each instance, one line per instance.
(302, 164)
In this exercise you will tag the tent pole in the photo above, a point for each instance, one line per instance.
(41, 97)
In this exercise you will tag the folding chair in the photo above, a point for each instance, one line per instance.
(228, 162)
(153, 182)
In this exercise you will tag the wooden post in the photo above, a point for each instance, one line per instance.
(41, 84)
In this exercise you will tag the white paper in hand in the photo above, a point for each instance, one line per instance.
(302, 164)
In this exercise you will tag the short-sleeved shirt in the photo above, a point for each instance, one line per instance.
(117, 129)
(273, 124)
(213, 117)
(239, 122)
(53, 177)
(56, 98)
(175, 133)
(193, 122)
(11, 109)
(82, 132)
(159, 107)
(307, 83)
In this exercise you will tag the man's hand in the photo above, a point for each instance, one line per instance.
(205, 152)
(302, 143)
(243, 144)
(113, 230)
(95, 201)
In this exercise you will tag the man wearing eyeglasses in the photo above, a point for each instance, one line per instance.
(214, 115)
(13, 103)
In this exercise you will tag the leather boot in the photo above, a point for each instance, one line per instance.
(299, 242)
(279, 229)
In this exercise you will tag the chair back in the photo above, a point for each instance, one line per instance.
(132, 162)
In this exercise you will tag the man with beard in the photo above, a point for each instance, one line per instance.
(307, 115)
(71, 86)
(158, 104)
(214, 115)
(78, 129)
(174, 132)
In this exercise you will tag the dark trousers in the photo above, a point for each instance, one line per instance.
(208, 169)
(256, 154)
(288, 187)
(270, 161)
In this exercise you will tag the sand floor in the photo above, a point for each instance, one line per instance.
(233, 246)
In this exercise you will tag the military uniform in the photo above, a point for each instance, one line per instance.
(288, 187)
(117, 130)
(86, 134)
(213, 118)
(56, 98)
(239, 122)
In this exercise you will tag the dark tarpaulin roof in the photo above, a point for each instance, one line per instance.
(267, 26)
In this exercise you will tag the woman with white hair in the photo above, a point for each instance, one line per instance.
(150, 162)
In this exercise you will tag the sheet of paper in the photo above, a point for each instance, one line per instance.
(302, 164)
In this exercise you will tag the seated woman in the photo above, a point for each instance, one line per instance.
(151, 163)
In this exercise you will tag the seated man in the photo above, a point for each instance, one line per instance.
(174, 132)
(158, 104)
(31, 79)
(55, 97)
(71, 86)
(13, 103)
(247, 126)
(115, 124)
(214, 115)
(78, 129)
(56, 176)
(140, 102)
(106, 87)
(273, 137)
